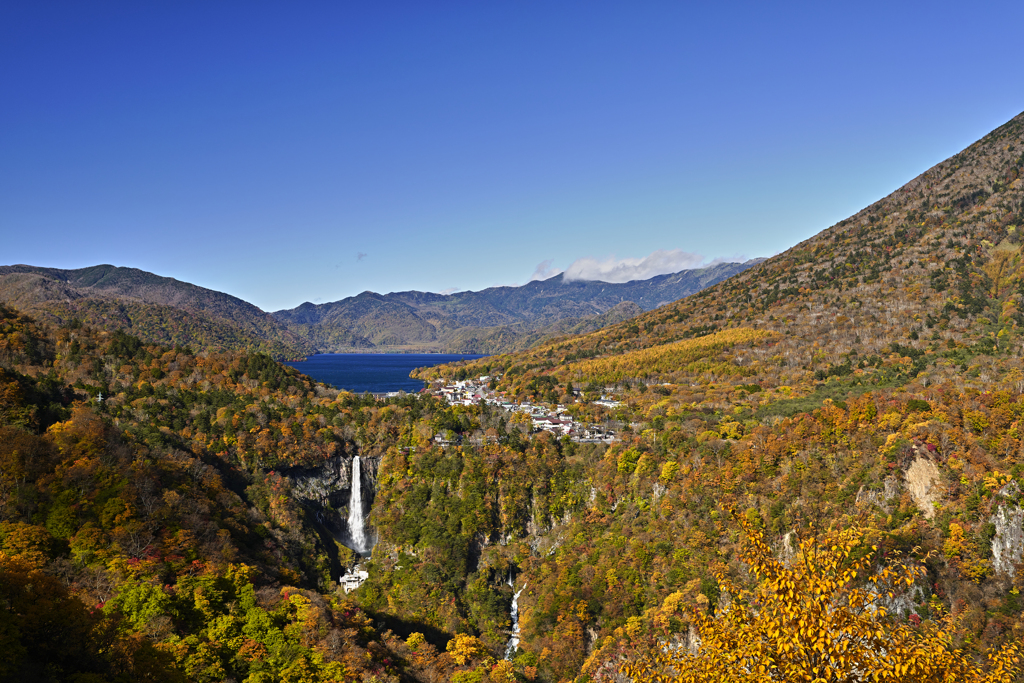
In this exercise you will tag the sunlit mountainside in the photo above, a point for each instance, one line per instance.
(934, 268)
(816, 472)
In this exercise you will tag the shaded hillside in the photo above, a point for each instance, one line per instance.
(492, 320)
(157, 309)
(525, 335)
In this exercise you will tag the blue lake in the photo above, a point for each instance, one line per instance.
(374, 372)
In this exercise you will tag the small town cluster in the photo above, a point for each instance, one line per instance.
(557, 421)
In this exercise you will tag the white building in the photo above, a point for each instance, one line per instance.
(353, 580)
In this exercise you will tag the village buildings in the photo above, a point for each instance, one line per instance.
(557, 420)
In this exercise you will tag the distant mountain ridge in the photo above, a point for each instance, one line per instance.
(497, 319)
(164, 310)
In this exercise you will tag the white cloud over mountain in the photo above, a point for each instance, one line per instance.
(660, 262)
(544, 270)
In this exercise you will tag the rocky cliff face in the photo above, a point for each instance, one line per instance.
(319, 485)
(1008, 542)
(924, 481)
(324, 491)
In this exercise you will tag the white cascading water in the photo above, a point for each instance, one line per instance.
(513, 642)
(356, 523)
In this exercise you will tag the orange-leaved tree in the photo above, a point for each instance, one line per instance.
(821, 618)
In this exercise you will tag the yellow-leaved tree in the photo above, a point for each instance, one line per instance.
(820, 618)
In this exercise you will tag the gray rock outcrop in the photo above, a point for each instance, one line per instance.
(1008, 541)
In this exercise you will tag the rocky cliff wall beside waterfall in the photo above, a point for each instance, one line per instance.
(325, 490)
(326, 482)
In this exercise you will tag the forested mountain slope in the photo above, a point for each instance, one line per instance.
(492, 320)
(869, 377)
(172, 516)
(159, 309)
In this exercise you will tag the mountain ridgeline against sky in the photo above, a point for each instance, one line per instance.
(167, 311)
(157, 309)
(492, 320)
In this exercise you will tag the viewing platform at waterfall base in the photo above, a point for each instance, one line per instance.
(353, 579)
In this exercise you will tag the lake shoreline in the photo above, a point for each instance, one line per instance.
(376, 373)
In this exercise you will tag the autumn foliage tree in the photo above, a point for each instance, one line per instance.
(48, 634)
(820, 618)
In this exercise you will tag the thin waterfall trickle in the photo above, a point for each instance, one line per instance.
(356, 522)
(513, 642)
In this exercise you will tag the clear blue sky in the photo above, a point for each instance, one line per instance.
(290, 152)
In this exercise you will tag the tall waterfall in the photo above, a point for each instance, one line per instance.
(513, 642)
(356, 523)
